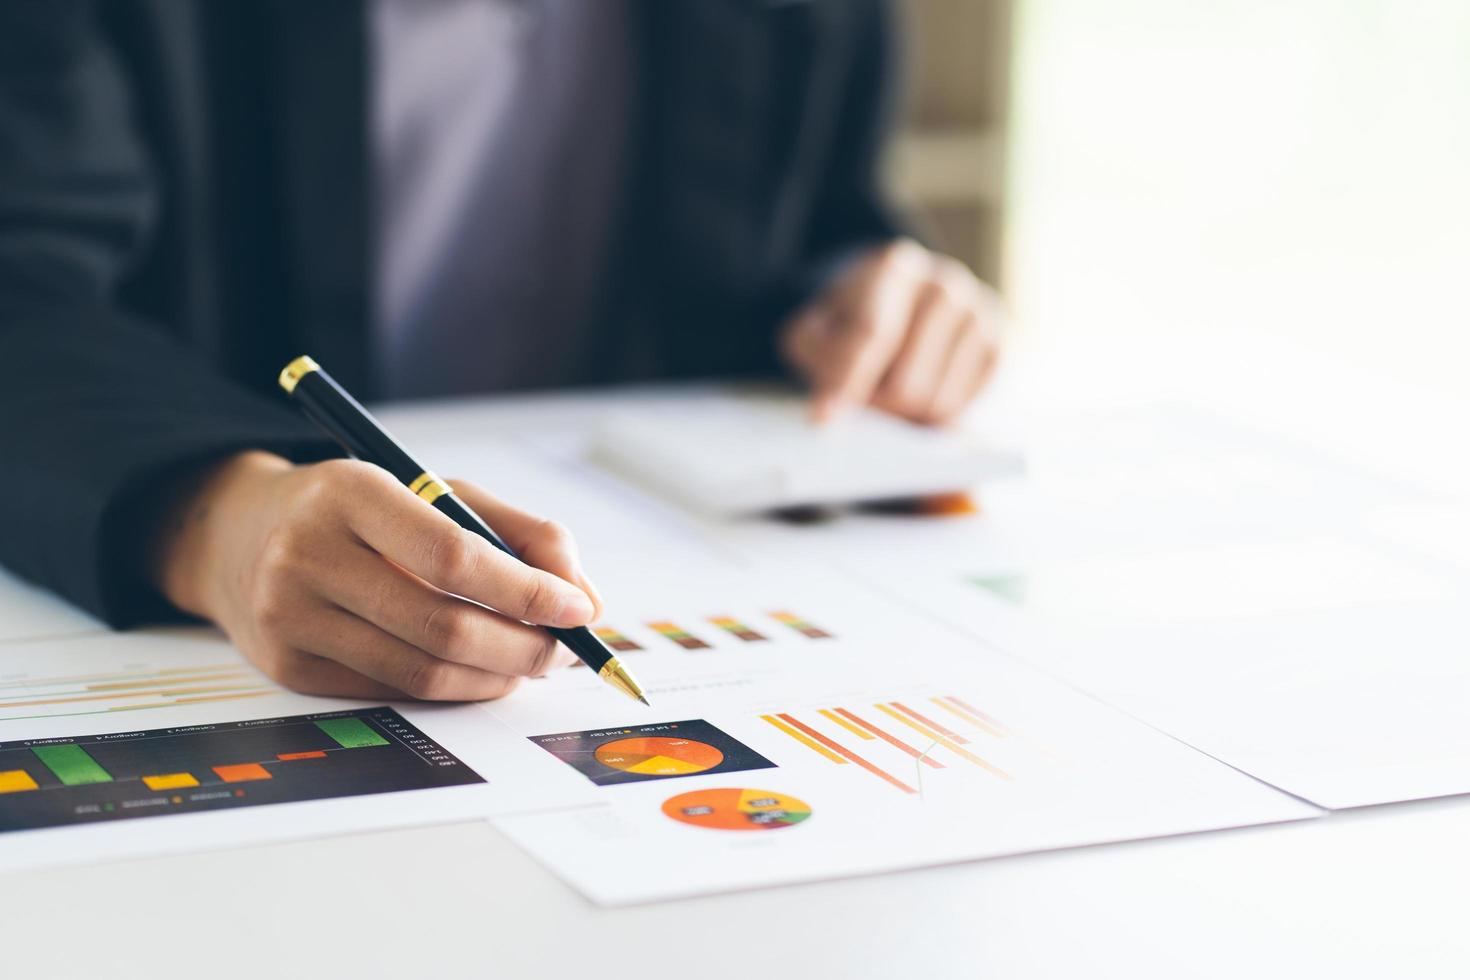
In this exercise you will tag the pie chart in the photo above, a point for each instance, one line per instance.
(659, 756)
(736, 809)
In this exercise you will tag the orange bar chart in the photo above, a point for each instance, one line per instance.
(976, 715)
(933, 726)
(924, 757)
(679, 635)
(802, 626)
(615, 639)
(846, 753)
(963, 753)
(736, 628)
(243, 773)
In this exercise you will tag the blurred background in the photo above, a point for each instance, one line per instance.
(1146, 175)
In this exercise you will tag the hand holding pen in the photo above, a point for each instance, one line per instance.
(337, 579)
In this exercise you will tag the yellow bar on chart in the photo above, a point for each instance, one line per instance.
(808, 742)
(835, 718)
(963, 753)
(16, 781)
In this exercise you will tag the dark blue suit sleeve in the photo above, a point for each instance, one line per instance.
(98, 411)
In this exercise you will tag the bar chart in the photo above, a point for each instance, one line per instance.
(709, 632)
(56, 782)
(916, 732)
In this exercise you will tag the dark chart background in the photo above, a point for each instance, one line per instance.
(579, 750)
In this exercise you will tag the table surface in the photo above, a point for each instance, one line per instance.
(1367, 893)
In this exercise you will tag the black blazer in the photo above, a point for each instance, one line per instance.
(184, 207)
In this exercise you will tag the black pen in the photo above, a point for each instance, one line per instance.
(329, 405)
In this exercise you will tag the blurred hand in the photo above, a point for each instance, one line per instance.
(906, 330)
(335, 579)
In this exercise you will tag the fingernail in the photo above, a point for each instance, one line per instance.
(575, 610)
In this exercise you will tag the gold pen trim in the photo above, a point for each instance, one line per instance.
(292, 373)
(429, 487)
(614, 673)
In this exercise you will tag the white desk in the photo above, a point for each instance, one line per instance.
(1368, 893)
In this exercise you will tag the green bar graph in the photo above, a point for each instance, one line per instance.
(351, 733)
(72, 765)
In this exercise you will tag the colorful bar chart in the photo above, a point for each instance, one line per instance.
(71, 764)
(802, 626)
(92, 778)
(895, 725)
(677, 634)
(737, 629)
(615, 640)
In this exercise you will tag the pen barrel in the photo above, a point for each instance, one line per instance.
(343, 418)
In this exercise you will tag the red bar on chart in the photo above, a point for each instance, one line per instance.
(978, 714)
(934, 726)
(736, 628)
(968, 718)
(615, 640)
(927, 759)
(801, 626)
(293, 756)
(963, 753)
(678, 635)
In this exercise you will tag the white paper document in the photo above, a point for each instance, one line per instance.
(1335, 668)
(144, 743)
(27, 612)
(805, 732)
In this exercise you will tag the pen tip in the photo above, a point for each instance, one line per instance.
(644, 700)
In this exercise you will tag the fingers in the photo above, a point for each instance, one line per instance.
(436, 622)
(970, 363)
(868, 327)
(393, 522)
(360, 646)
(545, 544)
(907, 331)
(926, 356)
(307, 673)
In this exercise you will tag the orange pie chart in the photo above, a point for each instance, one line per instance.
(659, 756)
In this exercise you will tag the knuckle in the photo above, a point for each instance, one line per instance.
(284, 667)
(452, 556)
(554, 534)
(542, 655)
(500, 687)
(867, 328)
(901, 255)
(449, 628)
(271, 605)
(429, 680)
(972, 330)
(325, 482)
(279, 554)
(537, 601)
